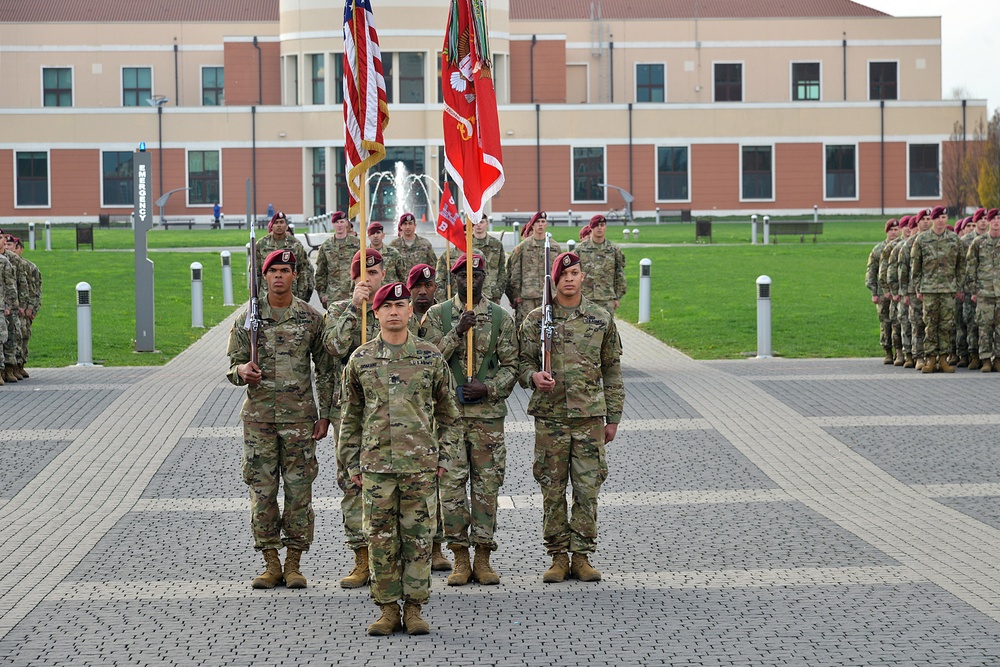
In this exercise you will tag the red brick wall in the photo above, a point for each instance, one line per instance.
(279, 179)
(241, 73)
(550, 72)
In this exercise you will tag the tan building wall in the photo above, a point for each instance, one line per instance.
(243, 87)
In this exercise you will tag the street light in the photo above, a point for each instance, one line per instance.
(158, 101)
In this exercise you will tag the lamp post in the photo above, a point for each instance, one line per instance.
(158, 101)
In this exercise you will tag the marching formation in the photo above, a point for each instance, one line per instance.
(935, 287)
(20, 301)
(414, 384)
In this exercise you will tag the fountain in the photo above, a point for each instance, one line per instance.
(404, 186)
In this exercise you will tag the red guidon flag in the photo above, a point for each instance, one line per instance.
(471, 127)
(366, 113)
(449, 224)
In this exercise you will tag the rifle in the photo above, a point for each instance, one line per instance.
(253, 322)
(547, 307)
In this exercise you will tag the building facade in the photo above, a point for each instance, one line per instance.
(716, 106)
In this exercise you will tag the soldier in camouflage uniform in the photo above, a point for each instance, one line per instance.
(280, 421)
(278, 238)
(8, 301)
(398, 434)
(14, 311)
(341, 337)
(496, 259)
(392, 261)
(33, 306)
(585, 232)
(603, 264)
(980, 225)
(333, 262)
(919, 224)
(482, 452)
(414, 249)
(902, 310)
(889, 295)
(577, 408)
(526, 267)
(983, 286)
(422, 285)
(881, 303)
(938, 272)
(446, 285)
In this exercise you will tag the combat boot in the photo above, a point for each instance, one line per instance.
(360, 574)
(24, 373)
(944, 366)
(411, 619)
(987, 366)
(898, 359)
(908, 361)
(1, 379)
(582, 569)
(963, 361)
(438, 561)
(463, 569)
(888, 357)
(19, 372)
(974, 362)
(930, 365)
(919, 365)
(271, 576)
(293, 577)
(481, 570)
(388, 622)
(559, 570)
(8, 374)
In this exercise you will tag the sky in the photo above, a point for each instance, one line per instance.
(967, 62)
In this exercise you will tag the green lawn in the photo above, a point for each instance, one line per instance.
(118, 238)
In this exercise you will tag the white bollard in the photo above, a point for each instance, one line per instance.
(815, 212)
(48, 236)
(569, 218)
(625, 233)
(753, 229)
(571, 245)
(227, 278)
(767, 229)
(222, 220)
(764, 317)
(517, 230)
(31, 236)
(197, 308)
(84, 332)
(657, 215)
(645, 288)
(635, 233)
(489, 223)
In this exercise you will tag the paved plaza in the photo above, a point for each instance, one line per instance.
(827, 512)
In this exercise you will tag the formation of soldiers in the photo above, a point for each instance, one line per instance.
(20, 301)
(935, 287)
(417, 416)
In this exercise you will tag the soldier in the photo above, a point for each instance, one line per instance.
(278, 238)
(881, 303)
(422, 285)
(482, 452)
(280, 421)
(902, 310)
(391, 259)
(14, 312)
(938, 272)
(919, 224)
(414, 249)
(333, 262)
(983, 283)
(980, 223)
(577, 408)
(496, 259)
(526, 267)
(887, 293)
(8, 302)
(341, 337)
(446, 285)
(604, 265)
(33, 305)
(397, 437)
(585, 232)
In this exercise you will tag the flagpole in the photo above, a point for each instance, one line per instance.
(362, 234)
(447, 265)
(468, 292)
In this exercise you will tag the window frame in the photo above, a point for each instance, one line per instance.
(140, 102)
(793, 83)
(774, 170)
(187, 178)
(389, 74)
(130, 179)
(656, 173)
(909, 195)
(572, 173)
(635, 73)
(220, 102)
(313, 80)
(857, 177)
(318, 180)
(868, 69)
(48, 180)
(72, 86)
(743, 76)
(401, 79)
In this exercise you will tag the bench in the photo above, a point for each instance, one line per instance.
(186, 222)
(682, 214)
(313, 245)
(800, 228)
(553, 218)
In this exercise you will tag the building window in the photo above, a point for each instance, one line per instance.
(213, 86)
(203, 177)
(728, 82)
(318, 79)
(338, 76)
(137, 86)
(341, 194)
(57, 86)
(649, 83)
(319, 180)
(116, 170)
(439, 67)
(883, 81)
(33, 179)
(387, 59)
(805, 82)
(672, 173)
(411, 78)
(588, 175)
(757, 173)
(924, 178)
(841, 172)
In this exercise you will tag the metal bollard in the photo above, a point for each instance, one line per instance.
(767, 229)
(815, 212)
(645, 288)
(48, 236)
(625, 233)
(571, 245)
(197, 308)
(753, 229)
(569, 218)
(84, 332)
(635, 233)
(764, 317)
(489, 223)
(517, 230)
(227, 278)
(657, 215)
(31, 236)
(222, 220)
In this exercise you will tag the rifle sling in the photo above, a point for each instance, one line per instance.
(456, 362)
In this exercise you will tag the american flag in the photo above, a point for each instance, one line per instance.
(366, 113)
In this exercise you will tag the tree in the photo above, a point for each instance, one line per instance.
(989, 165)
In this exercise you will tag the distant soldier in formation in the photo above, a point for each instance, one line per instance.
(8, 303)
(898, 297)
(878, 298)
(919, 224)
(983, 286)
(526, 267)
(888, 294)
(938, 272)
(278, 238)
(603, 264)
(333, 262)
(585, 232)
(395, 271)
(15, 312)
(281, 423)
(495, 259)
(421, 282)
(33, 305)
(978, 226)
(414, 248)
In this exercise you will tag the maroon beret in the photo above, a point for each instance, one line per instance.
(563, 261)
(598, 218)
(937, 211)
(891, 224)
(375, 227)
(278, 215)
(904, 221)
(390, 292)
(338, 215)
(541, 215)
(478, 263)
(978, 215)
(278, 257)
(992, 213)
(420, 273)
(403, 218)
(950, 228)
(584, 232)
(372, 257)
(920, 215)
(960, 225)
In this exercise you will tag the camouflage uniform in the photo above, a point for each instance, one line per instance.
(909, 291)
(305, 282)
(569, 420)
(419, 252)
(882, 307)
(333, 269)
(937, 273)
(8, 302)
(483, 452)
(526, 272)
(983, 271)
(496, 266)
(12, 347)
(34, 303)
(392, 261)
(603, 266)
(886, 288)
(341, 337)
(446, 285)
(399, 426)
(966, 329)
(278, 419)
(902, 310)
